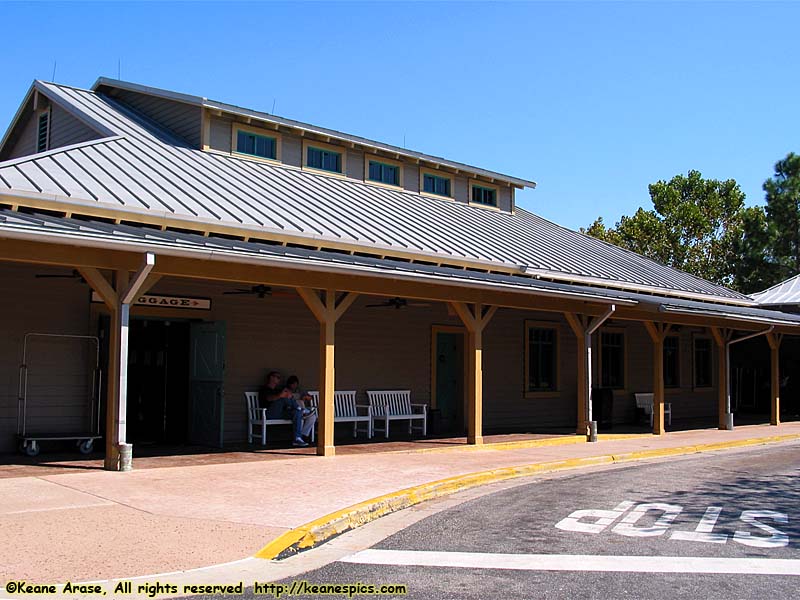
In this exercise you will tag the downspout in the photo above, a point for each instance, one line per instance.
(728, 413)
(587, 340)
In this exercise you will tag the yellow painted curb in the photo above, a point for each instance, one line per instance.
(319, 530)
(565, 440)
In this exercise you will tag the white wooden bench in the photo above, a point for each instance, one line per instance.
(645, 403)
(257, 417)
(345, 410)
(395, 405)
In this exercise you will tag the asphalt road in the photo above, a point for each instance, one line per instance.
(723, 525)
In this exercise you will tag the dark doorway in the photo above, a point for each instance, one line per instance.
(448, 378)
(158, 381)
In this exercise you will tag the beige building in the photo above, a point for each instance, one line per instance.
(185, 247)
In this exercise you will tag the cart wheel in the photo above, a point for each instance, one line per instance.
(32, 449)
(86, 446)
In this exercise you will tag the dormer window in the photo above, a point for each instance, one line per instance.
(438, 185)
(483, 193)
(43, 132)
(255, 142)
(323, 157)
(385, 171)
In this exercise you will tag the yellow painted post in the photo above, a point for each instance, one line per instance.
(721, 338)
(775, 404)
(475, 389)
(658, 331)
(579, 326)
(475, 322)
(327, 313)
(658, 386)
(327, 345)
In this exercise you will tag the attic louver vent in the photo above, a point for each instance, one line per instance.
(43, 132)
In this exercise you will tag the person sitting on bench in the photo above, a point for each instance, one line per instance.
(278, 401)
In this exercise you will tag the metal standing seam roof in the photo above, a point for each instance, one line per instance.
(146, 169)
(785, 292)
(299, 125)
(140, 238)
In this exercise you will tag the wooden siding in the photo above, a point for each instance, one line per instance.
(505, 200)
(292, 150)
(355, 164)
(411, 177)
(58, 373)
(687, 402)
(460, 189)
(23, 142)
(505, 407)
(66, 130)
(182, 119)
(280, 333)
(220, 136)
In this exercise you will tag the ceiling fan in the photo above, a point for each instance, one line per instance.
(262, 291)
(396, 303)
(73, 275)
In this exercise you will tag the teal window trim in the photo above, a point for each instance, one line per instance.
(436, 184)
(325, 158)
(485, 195)
(244, 137)
(383, 173)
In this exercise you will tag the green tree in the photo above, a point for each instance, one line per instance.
(696, 225)
(783, 215)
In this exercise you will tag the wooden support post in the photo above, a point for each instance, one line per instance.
(774, 340)
(110, 296)
(722, 337)
(658, 331)
(584, 326)
(327, 309)
(475, 319)
(118, 298)
(579, 324)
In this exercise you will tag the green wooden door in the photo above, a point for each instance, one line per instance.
(450, 379)
(206, 378)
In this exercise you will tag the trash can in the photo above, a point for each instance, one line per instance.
(602, 407)
(434, 421)
(125, 457)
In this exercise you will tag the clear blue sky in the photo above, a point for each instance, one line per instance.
(593, 101)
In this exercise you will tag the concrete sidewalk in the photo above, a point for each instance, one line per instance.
(96, 525)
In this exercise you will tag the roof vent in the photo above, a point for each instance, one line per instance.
(43, 132)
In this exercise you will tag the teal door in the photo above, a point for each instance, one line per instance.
(206, 377)
(450, 380)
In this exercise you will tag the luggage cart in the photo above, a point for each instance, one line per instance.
(29, 443)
